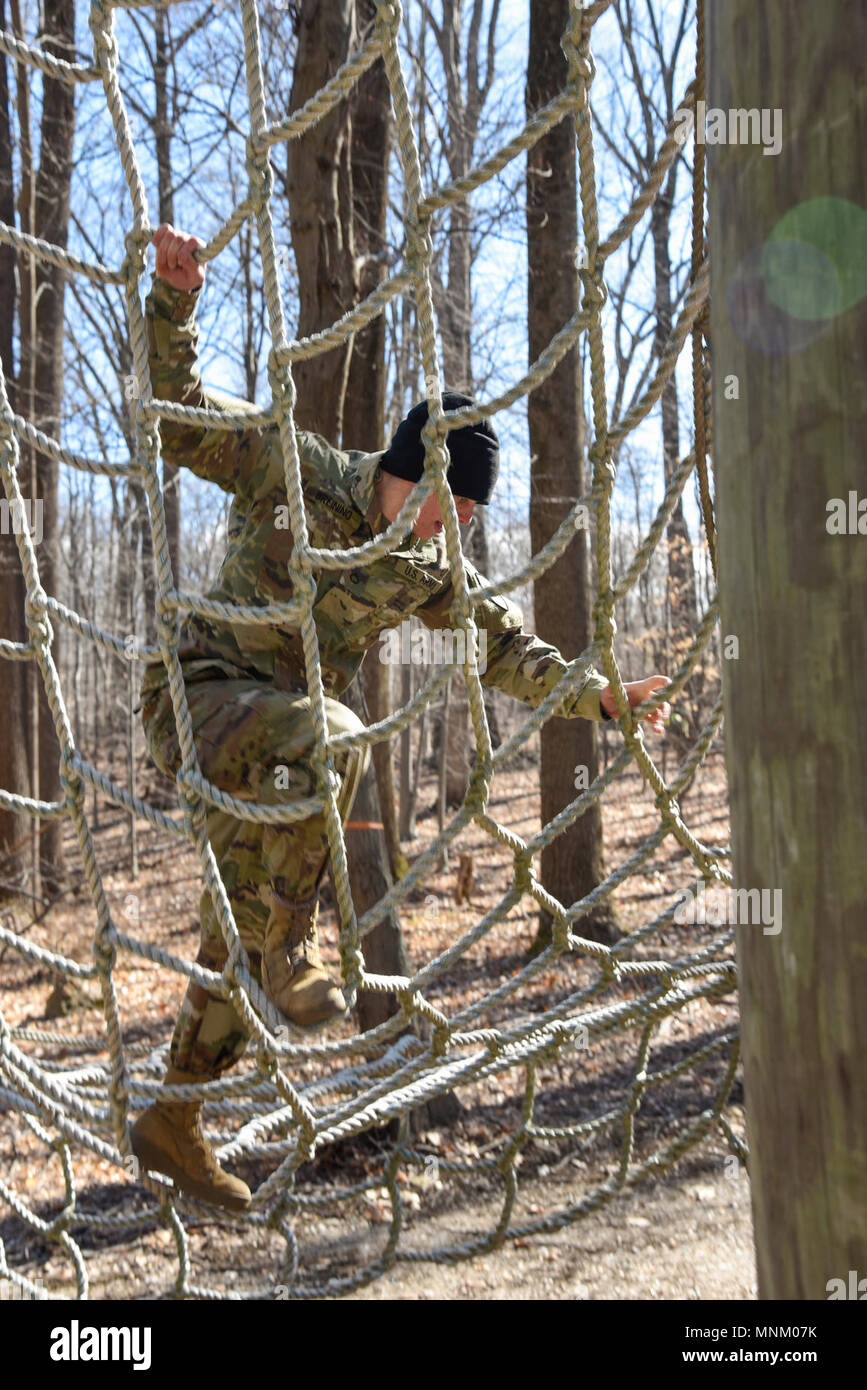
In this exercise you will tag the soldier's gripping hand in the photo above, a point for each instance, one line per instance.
(636, 692)
(175, 263)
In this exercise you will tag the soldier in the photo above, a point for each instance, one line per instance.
(246, 687)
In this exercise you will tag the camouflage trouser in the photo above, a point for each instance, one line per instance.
(254, 741)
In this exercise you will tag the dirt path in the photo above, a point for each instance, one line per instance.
(685, 1237)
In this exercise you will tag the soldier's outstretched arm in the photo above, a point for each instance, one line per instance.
(226, 457)
(522, 665)
(517, 662)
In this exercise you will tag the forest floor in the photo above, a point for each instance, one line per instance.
(685, 1234)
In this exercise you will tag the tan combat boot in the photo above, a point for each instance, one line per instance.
(293, 975)
(168, 1139)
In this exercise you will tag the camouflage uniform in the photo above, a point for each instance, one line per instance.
(246, 686)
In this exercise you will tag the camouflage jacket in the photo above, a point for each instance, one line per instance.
(353, 606)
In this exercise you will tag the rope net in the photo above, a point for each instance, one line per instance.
(364, 1081)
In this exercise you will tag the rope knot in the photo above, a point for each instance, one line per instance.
(573, 33)
(352, 966)
(168, 622)
(523, 870)
(189, 800)
(282, 384)
(137, 241)
(606, 623)
(41, 631)
(103, 947)
(35, 601)
(575, 44)
(595, 289)
(388, 18)
(433, 436)
(476, 797)
(306, 1140)
(419, 246)
(101, 23)
(70, 777)
(266, 1062)
(146, 421)
(304, 584)
(259, 173)
(604, 472)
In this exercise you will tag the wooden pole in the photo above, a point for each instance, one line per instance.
(789, 364)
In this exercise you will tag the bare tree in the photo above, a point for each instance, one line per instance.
(162, 48)
(14, 770)
(318, 183)
(44, 210)
(573, 864)
(469, 69)
(651, 73)
(364, 409)
(324, 240)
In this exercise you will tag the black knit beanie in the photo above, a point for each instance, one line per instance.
(474, 451)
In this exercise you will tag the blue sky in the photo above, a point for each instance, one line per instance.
(499, 281)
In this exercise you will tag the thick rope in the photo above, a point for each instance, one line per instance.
(387, 1072)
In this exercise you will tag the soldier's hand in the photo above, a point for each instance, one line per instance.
(637, 692)
(175, 263)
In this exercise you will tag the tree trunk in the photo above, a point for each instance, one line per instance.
(14, 772)
(322, 201)
(51, 211)
(318, 184)
(384, 949)
(364, 406)
(790, 418)
(165, 197)
(466, 93)
(573, 865)
(681, 574)
(377, 695)
(25, 393)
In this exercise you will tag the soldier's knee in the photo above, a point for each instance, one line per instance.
(341, 719)
(344, 721)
